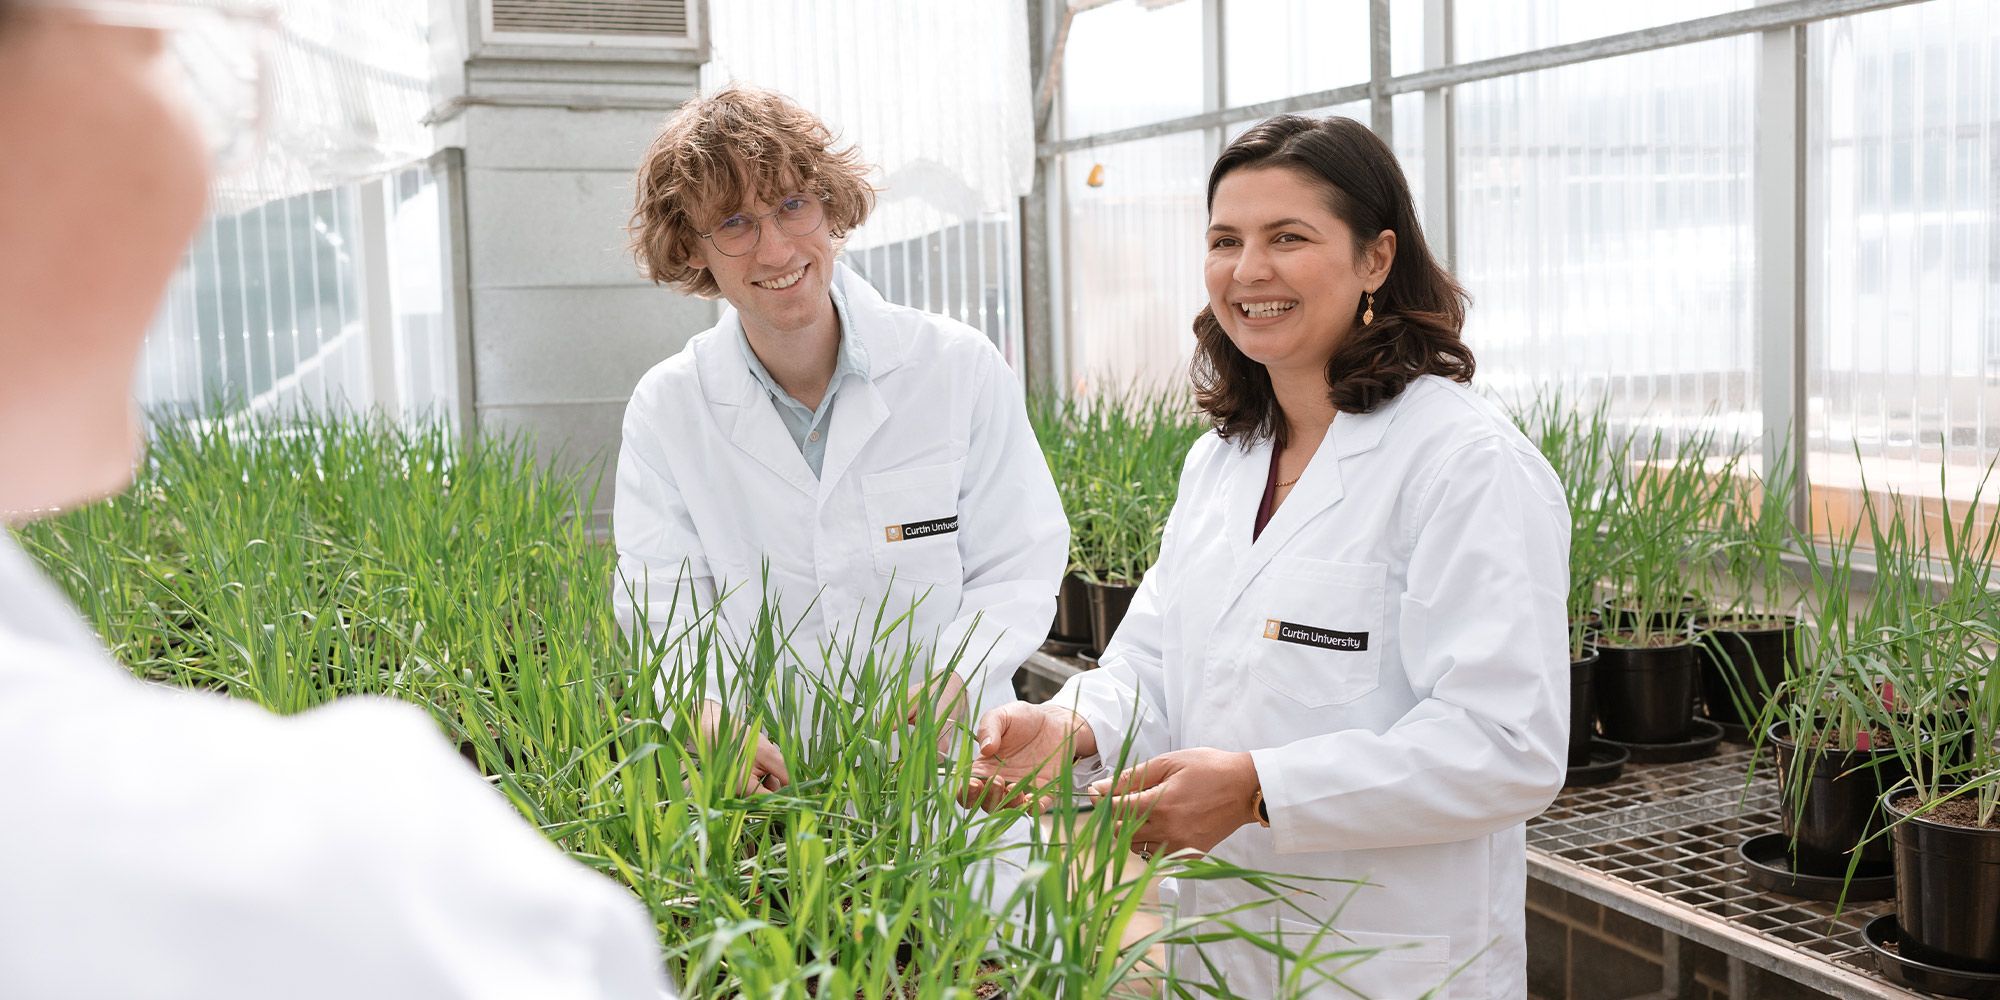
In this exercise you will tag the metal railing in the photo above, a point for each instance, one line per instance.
(1660, 844)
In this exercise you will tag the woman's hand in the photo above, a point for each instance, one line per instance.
(766, 771)
(942, 698)
(1022, 748)
(1187, 800)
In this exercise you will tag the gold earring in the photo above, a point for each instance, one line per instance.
(1368, 316)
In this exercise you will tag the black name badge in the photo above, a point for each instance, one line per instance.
(921, 529)
(1310, 635)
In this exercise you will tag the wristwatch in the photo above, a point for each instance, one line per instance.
(1263, 811)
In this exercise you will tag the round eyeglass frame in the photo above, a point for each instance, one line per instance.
(814, 202)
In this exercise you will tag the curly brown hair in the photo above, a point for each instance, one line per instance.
(1419, 310)
(725, 150)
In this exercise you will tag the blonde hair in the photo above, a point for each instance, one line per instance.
(722, 151)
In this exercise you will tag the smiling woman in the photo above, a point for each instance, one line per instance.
(1316, 262)
(1350, 655)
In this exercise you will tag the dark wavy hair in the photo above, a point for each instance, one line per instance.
(1419, 310)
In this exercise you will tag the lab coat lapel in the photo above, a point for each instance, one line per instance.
(858, 412)
(1320, 488)
(1242, 492)
(743, 410)
(860, 408)
(759, 431)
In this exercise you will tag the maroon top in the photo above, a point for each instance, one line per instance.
(1270, 501)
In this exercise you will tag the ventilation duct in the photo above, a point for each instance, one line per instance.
(628, 24)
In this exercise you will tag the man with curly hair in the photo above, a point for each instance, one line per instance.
(819, 445)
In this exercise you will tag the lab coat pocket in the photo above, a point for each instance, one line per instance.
(1315, 629)
(1379, 966)
(913, 522)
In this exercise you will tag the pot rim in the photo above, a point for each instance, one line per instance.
(1687, 642)
(1772, 733)
(1718, 623)
(1900, 817)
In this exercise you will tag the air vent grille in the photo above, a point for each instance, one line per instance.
(652, 19)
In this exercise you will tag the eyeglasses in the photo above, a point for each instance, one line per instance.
(796, 215)
(223, 51)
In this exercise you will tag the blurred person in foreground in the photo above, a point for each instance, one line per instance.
(168, 844)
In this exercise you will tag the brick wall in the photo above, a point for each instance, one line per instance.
(1579, 950)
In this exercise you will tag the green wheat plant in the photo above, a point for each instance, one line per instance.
(1117, 460)
(1665, 504)
(290, 563)
(1943, 615)
(1578, 444)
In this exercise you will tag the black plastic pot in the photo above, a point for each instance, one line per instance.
(1743, 662)
(1644, 694)
(1947, 891)
(1582, 711)
(1072, 622)
(1838, 806)
(1108, 602)
(1617, 615)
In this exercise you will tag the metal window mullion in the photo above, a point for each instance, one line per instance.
(967, 278)
(181, 321)
(1214, 69)
(1779, 169)
(1381, 111)
(270, 335)
(1046, 237)
(1440, 138)
(319, 308)
(1055, 236)
(974, 244)
(1038, 344)
(378, 316)
(343, 216)
(448, 172)
(1765, 17)
(292, 294)
(241, 389)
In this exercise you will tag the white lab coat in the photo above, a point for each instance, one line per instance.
(165, 844)
(1426, 545)
(709, 478)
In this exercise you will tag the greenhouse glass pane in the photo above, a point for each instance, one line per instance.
(1903, 278)
(1134, 247)
(1408, 142)
(1278, 48)
(1125, 65)
(266, 311)
(1407, 32)
(1486, 30)
(1605, 233)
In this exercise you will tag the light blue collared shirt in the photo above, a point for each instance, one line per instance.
(809, 427)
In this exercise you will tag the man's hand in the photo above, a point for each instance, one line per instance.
(765, 770)
(1022, 748)
(1185, 800)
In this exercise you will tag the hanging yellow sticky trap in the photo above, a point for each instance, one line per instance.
(1096, 178)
